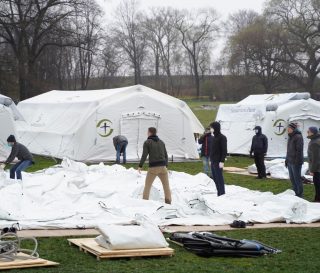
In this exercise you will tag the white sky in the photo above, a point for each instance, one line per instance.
(223, 7)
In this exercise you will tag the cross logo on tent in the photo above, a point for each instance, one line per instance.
(104, 125)
(280, 127)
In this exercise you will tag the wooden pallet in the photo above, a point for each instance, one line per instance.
(23, 261)
(89, 245)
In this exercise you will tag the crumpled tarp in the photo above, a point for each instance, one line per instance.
(74, 195)
(277, 169)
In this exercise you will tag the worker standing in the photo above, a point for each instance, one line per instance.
(259, 148)
(294, 158)
(205, 140)
(155, 148)
(314, 159)
(218, 154)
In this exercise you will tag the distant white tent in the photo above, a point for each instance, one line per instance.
(8, 115)
(81, 124)
(272, 113)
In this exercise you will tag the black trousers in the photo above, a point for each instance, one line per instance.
(316, 182)
(261, 168)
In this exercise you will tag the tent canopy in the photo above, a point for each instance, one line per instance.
(272, 113)
(81, 124)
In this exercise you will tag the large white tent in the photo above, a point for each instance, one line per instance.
(272, 113)
(81, 124)
(8, 115)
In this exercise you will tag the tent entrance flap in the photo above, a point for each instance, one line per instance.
(135, 128)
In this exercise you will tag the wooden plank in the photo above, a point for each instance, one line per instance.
(24, 261)
(89, 245)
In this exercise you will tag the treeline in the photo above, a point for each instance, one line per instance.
(66, 44)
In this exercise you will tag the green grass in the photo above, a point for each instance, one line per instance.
(300, 245)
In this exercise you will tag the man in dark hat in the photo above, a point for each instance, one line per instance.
(294, 158)
(314, 159)
(22, 153)
(259, 148)
(218, 154)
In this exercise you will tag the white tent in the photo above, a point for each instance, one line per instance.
(272, 113)
(8, 115)
(81, 124)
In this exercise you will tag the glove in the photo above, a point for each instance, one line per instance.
(221, 165)
(286, 163)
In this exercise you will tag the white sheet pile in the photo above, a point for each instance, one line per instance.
(141, 233)
(74, 195)
(277, 169)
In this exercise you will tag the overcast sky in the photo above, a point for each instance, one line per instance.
(223, 7)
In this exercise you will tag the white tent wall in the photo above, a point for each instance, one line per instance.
(238, 121)
(81, 124)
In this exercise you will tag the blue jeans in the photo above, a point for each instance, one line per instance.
(121, 149)
(206, 165)
(19, 167)
(217, 175)
(295, 177)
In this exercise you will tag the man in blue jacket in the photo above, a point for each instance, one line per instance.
(259, 148)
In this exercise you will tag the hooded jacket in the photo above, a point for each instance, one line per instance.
(259, 143)
(20, 151)
(218, 152)
(155, 148)
(205, 140)
(295, 148)
(314, 153)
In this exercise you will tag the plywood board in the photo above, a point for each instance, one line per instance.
(89, 245)
(24, 261)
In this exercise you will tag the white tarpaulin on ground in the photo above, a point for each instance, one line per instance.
(75, 195)
(81, 124)
(277, 169)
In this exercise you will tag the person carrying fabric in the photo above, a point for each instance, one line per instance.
(22, 153)
(294, 158)
(205, 140)
(120, 144)
(314, 159)
(155, 148)
(218, 155)
(259, 148)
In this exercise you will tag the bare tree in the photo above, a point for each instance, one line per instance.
(197, 31)
(300, 38)
(30, 27)
(128, 33)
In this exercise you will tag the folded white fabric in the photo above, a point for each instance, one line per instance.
(144, 234)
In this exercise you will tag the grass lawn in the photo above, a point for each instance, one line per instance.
(300, 245)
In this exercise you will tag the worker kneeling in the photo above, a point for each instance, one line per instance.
(22, 153)
(158, 162)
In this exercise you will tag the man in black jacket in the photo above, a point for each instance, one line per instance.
(314, 159)
(294, 158)
(259, 148)
(205, 140)
(155, 148)
(120, 143)
(218, 155)
(22, 153)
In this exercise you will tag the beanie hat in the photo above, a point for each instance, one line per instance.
(293, 125)
(314, 130)
(11, 138)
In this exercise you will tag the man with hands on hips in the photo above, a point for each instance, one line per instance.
(218, 155)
